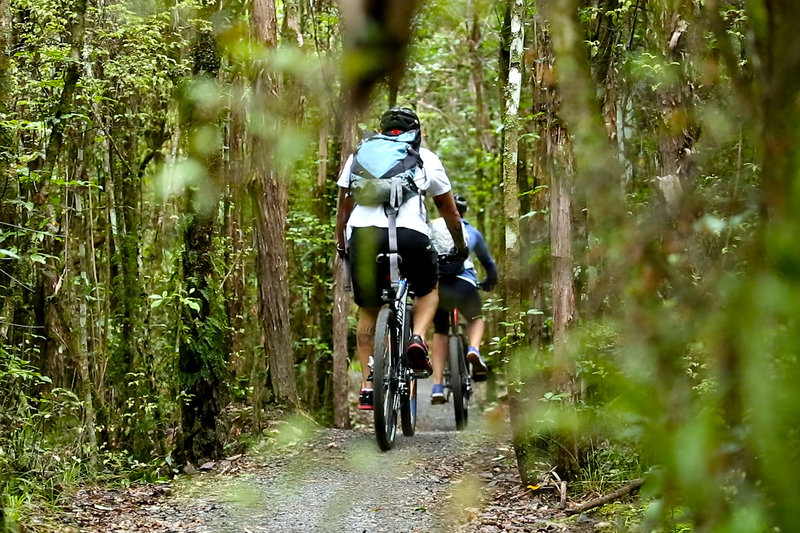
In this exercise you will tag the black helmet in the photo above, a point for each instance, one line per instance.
(399, 118)
(461, 204)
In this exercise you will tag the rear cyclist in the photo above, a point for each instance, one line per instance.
(460, 290)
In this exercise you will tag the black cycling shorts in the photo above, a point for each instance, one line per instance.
(419, 263)
(456, 293)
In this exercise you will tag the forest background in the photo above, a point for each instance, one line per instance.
(167, 269)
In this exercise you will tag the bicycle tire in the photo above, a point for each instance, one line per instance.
(458, 385)
(384, 381)
(408, 402)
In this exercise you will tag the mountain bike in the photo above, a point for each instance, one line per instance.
(457, 380)
(394, 382)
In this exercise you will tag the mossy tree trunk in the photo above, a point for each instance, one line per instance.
(204, 349)
(511, 213)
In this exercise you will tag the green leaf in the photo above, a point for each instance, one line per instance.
(36, 258)
(8, 253)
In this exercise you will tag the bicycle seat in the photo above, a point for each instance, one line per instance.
(385, 256)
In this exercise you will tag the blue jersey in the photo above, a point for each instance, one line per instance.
(477, 245)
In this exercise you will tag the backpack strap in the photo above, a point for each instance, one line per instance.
(394, 206)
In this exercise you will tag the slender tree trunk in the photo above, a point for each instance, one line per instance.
(545, 100)
(678, 132)
(57, 333)
(235, 278)
(511, 216)
(319, 324)
(83, 364)
(484, 126)
(563, 378)
(269, 194)
(127, 299)
(510, 169)
(204, 351)
(342, 304)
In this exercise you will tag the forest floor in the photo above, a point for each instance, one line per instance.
(311, 479)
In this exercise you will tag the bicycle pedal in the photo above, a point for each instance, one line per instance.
(421, 374)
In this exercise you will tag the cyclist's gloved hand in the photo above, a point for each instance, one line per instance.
(488, 284)
(462, 253)
(342, 252)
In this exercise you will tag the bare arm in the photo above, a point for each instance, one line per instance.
(447, 208)
(345, 207)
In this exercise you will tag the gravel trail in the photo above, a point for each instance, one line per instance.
(339, 481)
(315, 479)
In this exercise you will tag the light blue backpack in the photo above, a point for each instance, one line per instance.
(384, 167)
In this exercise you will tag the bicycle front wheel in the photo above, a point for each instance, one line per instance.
(408, 401)
(384, 380)
(458, 380)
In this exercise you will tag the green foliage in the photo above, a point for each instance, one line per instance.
(43, 451)
(684, 357)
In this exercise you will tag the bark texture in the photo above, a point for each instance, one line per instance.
(268, 190)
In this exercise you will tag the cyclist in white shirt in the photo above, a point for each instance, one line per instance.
(362, 232)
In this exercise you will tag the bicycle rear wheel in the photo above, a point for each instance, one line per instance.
(384, 380)
(458, 380)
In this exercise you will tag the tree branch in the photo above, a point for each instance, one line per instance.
(608, 498)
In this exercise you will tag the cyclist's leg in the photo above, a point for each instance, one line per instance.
(469, 304)
(438, 356)
(475, 331)
(366, 273)
(420, 267)
(441, 322)
(424, 310)
(365, 341)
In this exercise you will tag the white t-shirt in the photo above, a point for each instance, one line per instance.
(413, 214)
(443, 241)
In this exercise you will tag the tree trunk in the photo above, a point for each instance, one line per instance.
(563, 378)
(83, 364)
(599, 180)
(510, 161)
(236, 170)
(482, 118)
(205, 348)
(342, 304)
(269, 195)
(511, 216)
(127, 299)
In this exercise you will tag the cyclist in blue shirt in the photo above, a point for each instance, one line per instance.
(460, 290)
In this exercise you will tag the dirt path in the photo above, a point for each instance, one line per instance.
(326, 480)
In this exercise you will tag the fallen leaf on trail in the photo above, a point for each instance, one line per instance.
(333, 445)
(235, 457)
